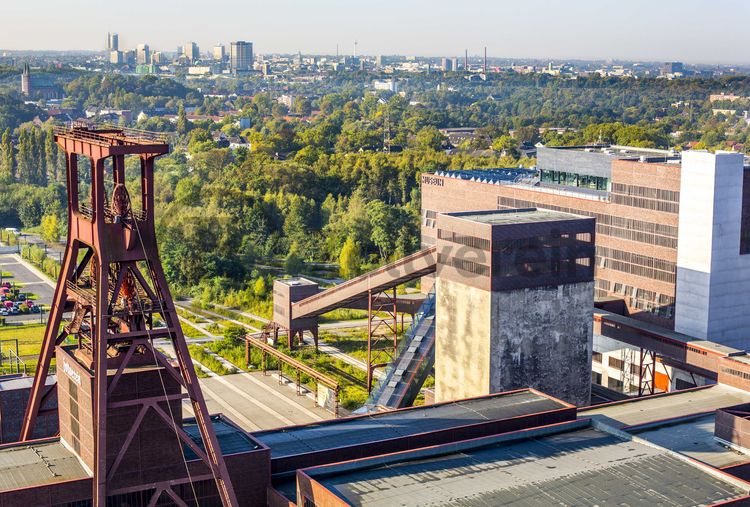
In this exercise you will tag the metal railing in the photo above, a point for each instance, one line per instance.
(109, 134)
(298, 366)
(10, 361)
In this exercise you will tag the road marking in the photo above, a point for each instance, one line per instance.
(34, 271)
(296, 406)
(235, 414)
(255, 402)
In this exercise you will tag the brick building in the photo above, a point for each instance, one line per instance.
(636, 197)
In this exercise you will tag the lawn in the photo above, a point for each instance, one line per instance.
(29, 338)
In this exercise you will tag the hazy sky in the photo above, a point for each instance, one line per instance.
(706, 31)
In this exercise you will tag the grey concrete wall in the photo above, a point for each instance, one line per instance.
(542, 338)
(462, 341)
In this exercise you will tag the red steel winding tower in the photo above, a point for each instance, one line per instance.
(120, 399)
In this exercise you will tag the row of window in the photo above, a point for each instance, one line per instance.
(463, 239)
(631, 227)
(644, 203)
(575, 180)
(641, 265)
(647, 192)
(464, 265)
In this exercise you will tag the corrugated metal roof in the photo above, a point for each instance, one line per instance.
(23, 466)
(642, 411)
(582, 467)
(348, 432)
(231, 439)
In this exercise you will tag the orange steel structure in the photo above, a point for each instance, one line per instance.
(113, 283)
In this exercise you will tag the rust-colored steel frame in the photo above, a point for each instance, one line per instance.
(647, 372)
(106, 244)
(382, 331)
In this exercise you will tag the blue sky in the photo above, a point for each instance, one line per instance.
(705, 31)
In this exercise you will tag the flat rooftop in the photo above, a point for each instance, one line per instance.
(693, 437)
(357, 430)
(575, 464)
(624, 152)
(232, 440)
(296, 282)
(717, 348)
(515, 216)
(24, 465)
(667, 406)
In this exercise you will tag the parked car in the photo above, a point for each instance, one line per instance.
(35, 309)
(6, 285)
(8, 304)
(29, 303)
(4, 312)
(21, 297)
(14, 310)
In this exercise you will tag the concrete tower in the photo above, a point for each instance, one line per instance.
(713, 254)
(514, 296)
(26, 80)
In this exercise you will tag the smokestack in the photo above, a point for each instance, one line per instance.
(466, 60)
(485, 59)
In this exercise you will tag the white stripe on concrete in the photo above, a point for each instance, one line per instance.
(255, 402)
(283, 398)
(250, 426)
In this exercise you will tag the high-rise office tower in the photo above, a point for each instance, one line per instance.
(220, 52)
(190, 49)
(113, 42)
(142, 54)
(241, 56)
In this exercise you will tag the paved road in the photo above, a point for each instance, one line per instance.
(32, 279)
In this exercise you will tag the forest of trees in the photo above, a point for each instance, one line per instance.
(317, 185)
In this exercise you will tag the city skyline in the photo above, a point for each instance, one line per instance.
(543, 29)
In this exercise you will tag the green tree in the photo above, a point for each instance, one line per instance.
(7, 173)
(51, 228)
(349, 259)
(234, 334)
(429, 138)
(260, 288)
(182, 122)
(293, 263)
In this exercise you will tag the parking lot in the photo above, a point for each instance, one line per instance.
(31, 280)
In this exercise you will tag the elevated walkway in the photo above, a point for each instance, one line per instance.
(348, 293)
(415, 358)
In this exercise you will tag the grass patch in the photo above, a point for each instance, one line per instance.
(343, 314)
(232, 314)
(210, 362)
(190, 332)
(29, 338)
(235, 353)
(195, 319)
(352, 342)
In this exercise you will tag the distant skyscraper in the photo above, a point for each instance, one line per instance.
(115, 57)
(190, 49)
(454, 64)
(219, 52)
(157, 58)
(447, 65)
(673, 68)
(241, 56)
(142, 54)
(113, 42)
